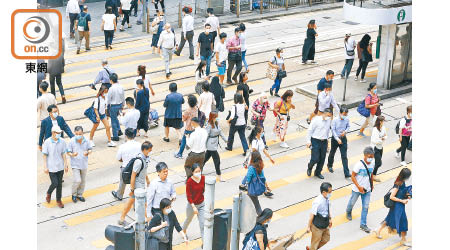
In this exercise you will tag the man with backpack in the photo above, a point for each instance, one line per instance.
(404, 130)
(136, 173)
(103, 75)
(362, 178)
(126, 152)
(83, 24)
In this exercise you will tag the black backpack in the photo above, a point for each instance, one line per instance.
(126, 173)
(397, 127)
(201, 118)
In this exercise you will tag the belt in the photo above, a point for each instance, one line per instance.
(196, 153)
(322, 140)
(168, 48)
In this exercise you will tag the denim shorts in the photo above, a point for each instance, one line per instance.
(222, 69)
(101, 117)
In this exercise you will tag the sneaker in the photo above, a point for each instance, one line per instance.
(397, 155)
(111, 144)
(78, 51)
(363, 80)
(356, 78)
(407, 244)
(166, 139)
(365, 228)
(268, 194)
(403, 163)
(271, 92)
(276, 94)
(81, 198)
(88, 49)
(242, 187)
(114, 194)
(284, 145)
(115, 139)
(349, 216)
(74, 199)
(178, 156)
(92, 144)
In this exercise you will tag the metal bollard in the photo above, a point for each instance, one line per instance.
(234, 241)
(139, 204)
(144, 16)
(210, 182)
(238, 8)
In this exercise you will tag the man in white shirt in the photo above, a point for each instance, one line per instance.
(126, 152)
(196, 141)
(221, 56)
(167, 43)
(130, 117)
(214, 22)
(114, 101)
(318, 132)
(45, 100)
(188, 33)
(72, 11)
(362, 177)
(319, 223)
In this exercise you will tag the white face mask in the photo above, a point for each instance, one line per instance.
(329, 195)
(168, 210)
(197, 175)
(327, 118)
(369, 160)
(55, 114)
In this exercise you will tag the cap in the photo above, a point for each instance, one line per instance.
(56, 129)
(312, 21)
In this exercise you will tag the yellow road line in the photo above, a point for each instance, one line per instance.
(100, 50)
(398, 246)
(86, 194)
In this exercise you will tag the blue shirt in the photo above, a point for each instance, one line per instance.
(103, 76)
(252, 173)
(157, 191)
(173, 103)
(322, 82)
(338, 126)
(80, 161)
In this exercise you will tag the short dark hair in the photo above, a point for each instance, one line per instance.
(324, 187)
(51, 107)
(108, 10)
(242, 27)
(129, 133)
(43, 85)
(207, 24)
(237, 30)
(173, 87)
(223, 35)
(330, 72)
(130, 101)
(139, 82)
(78, 128)
(205, 86)
(278, 50)
(343, 109)
(287, 94)
(238, 98)
(146, 145)
(210, 10)
(192, 101)
(161, 166)
(113, 77)
(164, 203)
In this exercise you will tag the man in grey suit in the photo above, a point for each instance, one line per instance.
(54, 69)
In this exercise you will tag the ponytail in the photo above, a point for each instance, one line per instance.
(253, 134)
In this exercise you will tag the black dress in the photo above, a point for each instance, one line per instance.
(309, 47)
(173, 223)
(218, 92)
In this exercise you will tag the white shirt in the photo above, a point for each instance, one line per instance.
(188, 24)
(128, 151)
(126, 4)
(321, 205)
(116, 94)
(214, 22)
(351, 45)
(146, 82)
(258, 144)
(197, 140)
(43, 102)
(72, 7)
(109, 21)
(362, 177)
(199, 76)
(130, 119)
(376, 137)
(166, 40)
(319, 129)
(240, 108)
(205, 103)
(242, 37)
(221, 48)
(102, 107)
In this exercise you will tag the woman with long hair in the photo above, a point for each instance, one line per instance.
(236, 119)
(212, 143)
(143, 105)
(245, 91)
(207, 100)
(396, 220)
(260, 230)
(372, 102)
(219, 93)
(142, 71)
(377, 139)
(309, 46)
(364, 55)
(257, 144)
(100, 112)
(195, 189)
(281, 108)
(108, 26)
(255, 170)
(200, 77)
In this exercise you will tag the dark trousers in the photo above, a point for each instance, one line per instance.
(72, 18)
(362, 66)
(191, 159)
(260, 123)
(241, 131)
(109, 35)
(216, 158)
(343, 149)
(318, 154)
(213, 34)
(255, 201)
(231, 64)
(246, 115)
(378, 155)
(56, 182)
(126, 17)
(162, 5)
(404, 144)
(189, 37)
(58, 82)
(143, 121)
(134, 6)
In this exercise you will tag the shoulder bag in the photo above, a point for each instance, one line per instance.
(90, 112)
(288, 118)
(280, 73)
(349, 52)
(257, 186)
(368, 174)
(162, 234)
(234, 120)
(362, 110)
(271, 72)
(387, 200)
(250, 242)
(322, 222)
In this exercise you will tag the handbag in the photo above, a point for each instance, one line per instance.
(271, 73)
(362, 110)
(322, 222)
(349, 52)
(234, 120)
(387, 200)
(378, 112)
(281, 74)
(90, 112)
(257, 186)
(162, 234)
(250, 242)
